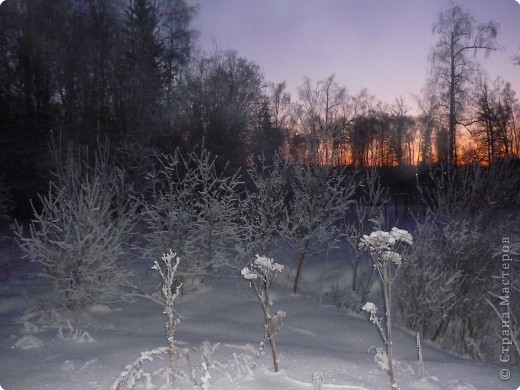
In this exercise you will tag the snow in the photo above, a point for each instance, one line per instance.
(43, 349)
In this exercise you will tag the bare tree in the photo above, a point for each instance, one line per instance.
(266, 139)
(361, 135)
(494, 129)
(222, 99)
(195, 208)
(280, 105)
(176, 40)
(428, 122)
(401, 136)
(334, 97)
(360, 126)
(459, 35)
(281, 114)
(320, 118)
(320, 197)
(351, 107)
(264, 206)
(140, 80)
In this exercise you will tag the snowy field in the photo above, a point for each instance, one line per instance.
(42, 349)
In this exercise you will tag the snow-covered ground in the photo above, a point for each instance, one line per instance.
(90, 350)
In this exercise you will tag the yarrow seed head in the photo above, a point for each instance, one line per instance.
(381, 244)
(402, 235)
(377, 241)
(391, 256)
(267, 264)
(369, 307)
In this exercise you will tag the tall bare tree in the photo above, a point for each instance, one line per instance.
(141, 77)
(360, 127)
(176, 39)
(428, 122)
(401, 135)
(280, 111)
(459, 36)
(320, 118)
(266, 139)
(280, 105)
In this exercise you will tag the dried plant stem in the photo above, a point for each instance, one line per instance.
(171, 262)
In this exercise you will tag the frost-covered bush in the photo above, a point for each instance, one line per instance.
(319, 198)
(446, 279)
(259, 273)
(194, 208)
(384, 250)
(169, 215)
(451, 274)
(264, 206)
(80, 232)
(428, 289)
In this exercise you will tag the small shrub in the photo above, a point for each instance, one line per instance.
(450, 281)
(264, 206)
(319, 198)
(195, 209)
(81, 231)
(429, 288)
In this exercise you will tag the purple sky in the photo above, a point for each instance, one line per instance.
(382, 45)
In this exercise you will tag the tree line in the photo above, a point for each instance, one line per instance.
(130, 70)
